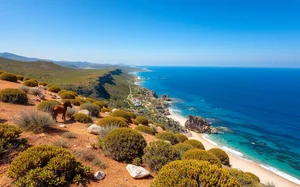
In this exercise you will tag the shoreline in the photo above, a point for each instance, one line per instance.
(265, 175)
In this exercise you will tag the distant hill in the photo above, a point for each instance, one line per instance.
(69, 64)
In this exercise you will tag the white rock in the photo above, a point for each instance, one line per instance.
(99, 175)
(137, 172)
(57, 97)
(107, 113)
(114, 109)
(84, 112)
(62, 126)
(94, 129)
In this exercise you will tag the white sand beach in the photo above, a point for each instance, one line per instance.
(264, 174)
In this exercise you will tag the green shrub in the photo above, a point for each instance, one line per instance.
(9, 137)
(85, 155)
(50, 85)
(71, 111)
(132, 115)
(82, 118)
(160, 125)
(26, 78)
(107, 129)
(101, 104)
(75, 102)
(47, 106)
(67, 95)
(181, 137)
(46, 165)
(137, 162)
(42, 84)
(91, 107)
(103, 110)
(124, 144)
(98, 163)
(169, 136)
(109, 121)
(35, 91)
(253, 176)
(20, 77)
(30, 83)
(183, 147)
(121, 113)
(242, 178)
(54, 89)
(60, 143)
(68, 135)
(221, 155)
(193, 173)
(8, 77)
(89, 100)
(145, 129)
(159, 153)
(134, 122)
(1, 72)
(12, 95)
(24, 88)
(195, 144)
(142, 120)
(199, 154)
(34, 121)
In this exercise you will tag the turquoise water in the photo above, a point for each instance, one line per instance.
(260, 106)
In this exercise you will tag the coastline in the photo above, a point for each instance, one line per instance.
(262, 172)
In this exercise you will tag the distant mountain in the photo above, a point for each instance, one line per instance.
(69, 64)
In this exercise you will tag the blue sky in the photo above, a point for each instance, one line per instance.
(152, 32)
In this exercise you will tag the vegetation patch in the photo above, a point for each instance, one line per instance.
(8, 77)
(183, 147)
(124, 144)
(47, 106)
(42, 84)
(107, 129)
(193, 173)
(30, 83)
(142, 120)
(169, 136)
(67, 95)
(91, 107)
(242, 178)
(68, 135)
(101, 104)
(103, 110)
(82, 118)
(109, 121)
(132, 115)
(75, 102)
(253, 176)
(9, 138)
(12, 95)
(159, 153)
(221, 155)
(34, 121)
(195, 143)
(121, 113)
(160, 125)
(145, 129)
(181, 137)
(54, 89)
(46, 165)
(199, 154)
(20, 77)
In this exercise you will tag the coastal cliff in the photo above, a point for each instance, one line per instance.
(200, 125)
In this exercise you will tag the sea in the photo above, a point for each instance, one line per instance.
(256, 109)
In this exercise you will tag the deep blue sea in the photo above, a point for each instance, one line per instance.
(261, 106)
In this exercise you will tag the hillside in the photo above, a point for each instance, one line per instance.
(97, 83)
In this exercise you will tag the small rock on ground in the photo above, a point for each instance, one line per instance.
(137, 172)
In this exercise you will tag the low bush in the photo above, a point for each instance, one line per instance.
(142, 120)
(160, 125)
(34, 121)
(159, 153)
(137, 162)
(107, 129)
(30, 83)
(35, 91)
(221, 155)
(183, 147)
(75, 102)
(60, 143)
(9, 137)
(26, 78)
(47, 106)
(124, 144)
(181, 137)
(98, 163)
(82, 118)
(85, 155)
(134, 122)
(121, 113)
(1, 72)
(68, 135)
(199, 154)
(8, 77)
(101, 104)
(195, 143)
(103, 110)
(54, 89)
(71, 111)
(242, 178)
(24, 88)
(169, 136)
(145, 129)
(108, 121)
(12, 95)
(253, 176)
(91, 107)
(89, 100)
(46, 165)
(193, 173)
(20, 77)
(50, 85)
(67, 95)
(132, 115)
(42, 84)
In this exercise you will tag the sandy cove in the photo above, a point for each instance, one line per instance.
(240, 163)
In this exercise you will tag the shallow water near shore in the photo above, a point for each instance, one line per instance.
(259, 106)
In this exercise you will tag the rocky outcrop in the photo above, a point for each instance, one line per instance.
(137, 172)
(166, 97)
(198, 124)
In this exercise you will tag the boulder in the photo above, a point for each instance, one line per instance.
(94, 129)
(99, 175)
(62, 126)
(198, 124)
(137, 172)
(84, 112)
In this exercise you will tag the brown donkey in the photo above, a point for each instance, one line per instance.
(61, 109)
